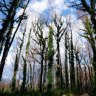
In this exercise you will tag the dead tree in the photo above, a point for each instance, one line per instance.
(41, 41)
(58, 35)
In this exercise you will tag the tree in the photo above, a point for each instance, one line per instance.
(79, 70)
(50, 57)
(66, 60)
(91, 30)
(17, 62)
(23, 87)
(45, 66)
(41, 41)
(90, 37)
(8, 24)
(71, 61)
(58, 35)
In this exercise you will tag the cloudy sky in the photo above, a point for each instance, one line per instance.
(38, 8)
(43, 5)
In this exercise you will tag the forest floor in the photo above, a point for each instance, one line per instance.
(51, 92)
(40, 94)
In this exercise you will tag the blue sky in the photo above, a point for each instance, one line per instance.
(36, 8)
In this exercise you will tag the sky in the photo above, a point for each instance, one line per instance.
(39, 8)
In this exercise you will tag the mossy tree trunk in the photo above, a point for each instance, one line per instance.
(7, 28)
(90, 8)
(50, 58)
(17, 62)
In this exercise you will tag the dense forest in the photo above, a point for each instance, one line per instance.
(52, 53)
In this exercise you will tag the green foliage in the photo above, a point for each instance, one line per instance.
(55, 92)
(33, 93)
(52, 92)
(15, 72)
(50, 44)
(50, 78)
(88, 32)
(28, 43)
(50, 57)
(25, 64)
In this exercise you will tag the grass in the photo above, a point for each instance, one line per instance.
(33, 93)
(53, 92)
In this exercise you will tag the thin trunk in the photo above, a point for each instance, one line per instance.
(17, 63)
(45, 71)
(79, 73)
(86, 79)
(72, 69)
(66, 63)
(15, 72)
(94, 67)
(23, 86)
(33, 77)
(41, 73)
(59, 77)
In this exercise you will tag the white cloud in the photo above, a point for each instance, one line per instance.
(9, 60)
(38, 7)
(59, 6)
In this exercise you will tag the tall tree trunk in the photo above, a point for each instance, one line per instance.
(79, 72)
(91, 77)
(33, 77)
(50, 58)
(31, 85)
(50, 77)
(17, 63)
(94, 67)
(59, 77)
(14, 75)
(23, 86)
(45, 71)
(86, 79)
(72, 69)
(41, 73)
(66, 62)
(7, 44)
